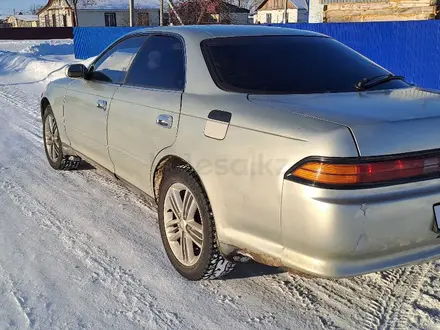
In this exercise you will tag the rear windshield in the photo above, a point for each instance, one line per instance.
(288, 65)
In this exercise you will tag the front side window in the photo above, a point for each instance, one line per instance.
(289, 65)
(110, 19)
(112, 67)
(160, 64)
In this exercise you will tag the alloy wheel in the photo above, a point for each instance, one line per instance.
(52, 138)
(183, 224)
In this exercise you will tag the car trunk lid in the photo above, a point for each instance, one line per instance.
(382, 122)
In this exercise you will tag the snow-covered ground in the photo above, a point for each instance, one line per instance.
(80, 251)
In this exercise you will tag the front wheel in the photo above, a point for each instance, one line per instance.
(52, 140)
(54, 146)
(187, 227)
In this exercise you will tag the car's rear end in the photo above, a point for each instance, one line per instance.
(343, 217)
(351, 215)
(370, 212)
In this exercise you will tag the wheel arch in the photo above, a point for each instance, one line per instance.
(168, 162)
(43, 105)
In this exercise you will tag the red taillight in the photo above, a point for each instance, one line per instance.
(340, 172)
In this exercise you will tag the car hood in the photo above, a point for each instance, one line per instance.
(382, 122)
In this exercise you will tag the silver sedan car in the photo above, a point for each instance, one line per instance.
(272, 144)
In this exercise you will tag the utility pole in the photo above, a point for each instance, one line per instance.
(285, 12)
(132, 21)
(161, 13)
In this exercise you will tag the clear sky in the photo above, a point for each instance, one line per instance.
(8, 6)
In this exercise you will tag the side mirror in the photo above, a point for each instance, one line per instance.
(77, 71)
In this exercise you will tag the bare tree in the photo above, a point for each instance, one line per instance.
(248, 4)
(141, 16)
(34, 9)
(76, 3)
(200, 12)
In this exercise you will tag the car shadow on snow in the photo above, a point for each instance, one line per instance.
(252, 269)
(84, 166)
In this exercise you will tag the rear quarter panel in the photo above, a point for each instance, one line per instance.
(243, 173)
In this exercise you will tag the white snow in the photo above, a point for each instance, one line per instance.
(26, 18)
(80, 251)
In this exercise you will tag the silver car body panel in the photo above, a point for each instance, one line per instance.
(134, 136)
(242, 164)
(411, 114)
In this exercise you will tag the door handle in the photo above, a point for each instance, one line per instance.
(165, 121)
(101, 104)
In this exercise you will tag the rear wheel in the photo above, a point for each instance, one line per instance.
(187, 227)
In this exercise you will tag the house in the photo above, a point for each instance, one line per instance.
(4, 22)
(371, 10)
(226, 13)
(22, 21)
(60, 13)
(57, 13)
(273, 11)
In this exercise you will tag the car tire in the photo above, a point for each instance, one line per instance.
(53, 145)
(189, 220)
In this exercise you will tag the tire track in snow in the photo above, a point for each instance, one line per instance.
(105, 269)
(384, 300)
(21, 305)
(18, 299)
(13, 96)
(423, 291)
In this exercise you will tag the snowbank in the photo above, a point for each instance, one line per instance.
(35, 61)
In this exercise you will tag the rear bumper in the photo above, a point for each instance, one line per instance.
(334, 233)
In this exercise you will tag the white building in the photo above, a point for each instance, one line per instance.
(272, 11)
(60, 13)
(22, 21)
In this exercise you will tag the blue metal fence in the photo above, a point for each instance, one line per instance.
(410, 49)
(91, 41)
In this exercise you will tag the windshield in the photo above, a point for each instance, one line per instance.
(288, 65)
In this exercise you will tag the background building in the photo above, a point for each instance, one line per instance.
(371, 10)
(272, 11)
(60, 13)
(22, 21)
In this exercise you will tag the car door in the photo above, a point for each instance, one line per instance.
(145, 109)
(88, 101)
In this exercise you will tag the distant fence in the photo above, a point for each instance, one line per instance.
(36, 33)
(411, 49)
(91, 41)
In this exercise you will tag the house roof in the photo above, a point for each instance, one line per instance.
(300, 4)
(26, 18)
(233, 8)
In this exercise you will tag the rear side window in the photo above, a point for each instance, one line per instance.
(160, 64)
(288, 65)
(112, 67)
